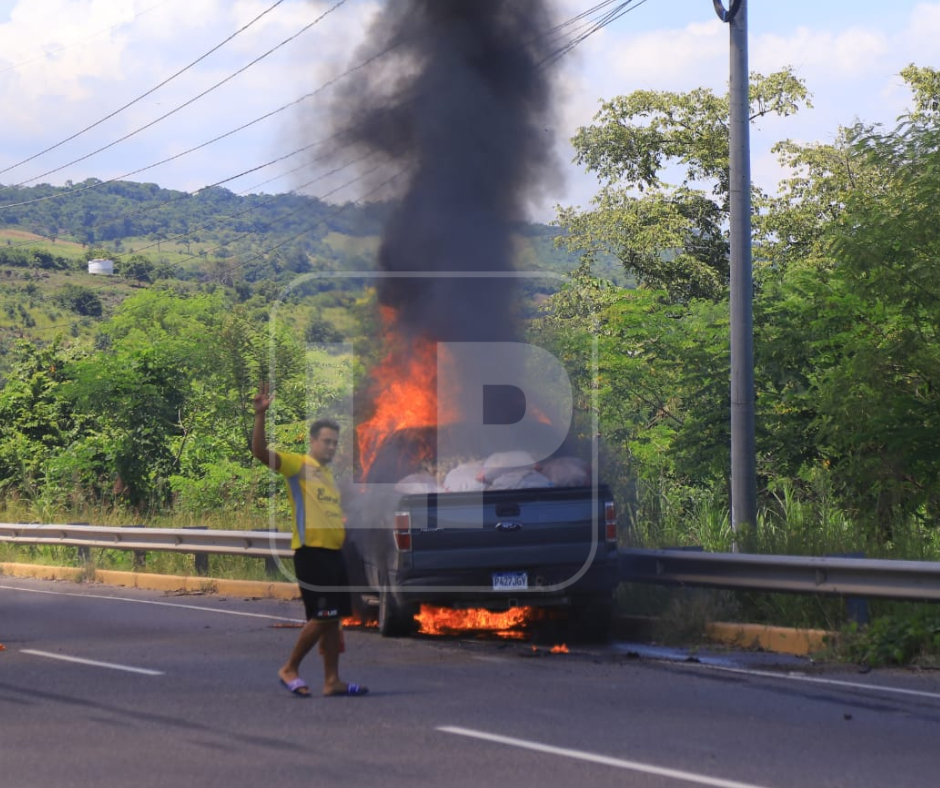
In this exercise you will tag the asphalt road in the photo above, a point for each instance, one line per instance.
(181, 690)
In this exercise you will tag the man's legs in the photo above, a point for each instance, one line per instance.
(328, 634)
(320, 567)
(330, 647)
(306, 640)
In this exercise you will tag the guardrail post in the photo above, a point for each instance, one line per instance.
(856, 607)
(201, 559)
(270, 562)
(84, 553)
(139, 560)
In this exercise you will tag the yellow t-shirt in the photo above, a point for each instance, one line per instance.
(314, 499)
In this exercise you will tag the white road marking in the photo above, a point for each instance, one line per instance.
(93, 662)
(646, 768)
(153, 602)
(791, 676)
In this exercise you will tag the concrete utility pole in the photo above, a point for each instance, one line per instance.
(743, 448)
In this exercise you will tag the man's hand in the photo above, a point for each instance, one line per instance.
(262, 400)
(259, 445)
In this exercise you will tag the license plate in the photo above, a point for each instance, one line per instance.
(510, 581)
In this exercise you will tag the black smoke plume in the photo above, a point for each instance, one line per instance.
(460, 100)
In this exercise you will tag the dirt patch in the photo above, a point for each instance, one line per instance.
(23, 235)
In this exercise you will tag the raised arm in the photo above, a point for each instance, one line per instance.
(259, 439)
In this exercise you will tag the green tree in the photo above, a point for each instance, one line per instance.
(137, 268)
(133, 398)
(36, 418)
(846, 328)
(925, 84)
(81, 300)
(667, 237)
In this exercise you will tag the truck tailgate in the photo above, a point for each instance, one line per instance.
(507, 529)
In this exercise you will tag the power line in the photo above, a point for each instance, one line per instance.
(590, 26)
(186, 103)
(139, 98)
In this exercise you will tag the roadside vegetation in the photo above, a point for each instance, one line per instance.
(127, 400)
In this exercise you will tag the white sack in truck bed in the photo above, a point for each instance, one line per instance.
(465, 478)
(567, 471)
(503, 462)
(520, 480)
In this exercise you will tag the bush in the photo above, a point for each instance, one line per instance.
(81, 300)
(893, 640)
(225, 486)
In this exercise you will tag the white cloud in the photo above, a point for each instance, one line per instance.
(57, 61)
(848, 54)
(923, 33)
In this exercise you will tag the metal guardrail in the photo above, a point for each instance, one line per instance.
(850, 577)
(256, 544)
(858, 577)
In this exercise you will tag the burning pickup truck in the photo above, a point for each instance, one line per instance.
(495, 531)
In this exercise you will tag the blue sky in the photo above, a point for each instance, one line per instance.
(66, 64)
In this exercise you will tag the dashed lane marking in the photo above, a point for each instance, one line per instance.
(93, 662)
(580, 755)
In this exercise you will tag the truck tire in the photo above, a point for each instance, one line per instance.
(396, 617)
(590, 618)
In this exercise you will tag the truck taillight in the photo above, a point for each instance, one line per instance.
(403, 530)
(610, 521)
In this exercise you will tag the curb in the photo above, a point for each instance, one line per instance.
(249, 589)
(778, 640)
(781, 640)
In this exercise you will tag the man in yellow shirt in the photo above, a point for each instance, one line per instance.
(317, 539)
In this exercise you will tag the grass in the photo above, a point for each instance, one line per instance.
(62, 247)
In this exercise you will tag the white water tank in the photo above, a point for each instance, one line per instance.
(101, 266)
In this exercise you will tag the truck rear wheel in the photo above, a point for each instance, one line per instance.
(396, 617)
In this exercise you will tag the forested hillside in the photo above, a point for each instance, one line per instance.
(181, 232)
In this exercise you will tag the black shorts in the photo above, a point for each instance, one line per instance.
(324, 585)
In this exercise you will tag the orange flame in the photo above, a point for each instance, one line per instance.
(355, 621)
(406, 382)
(561, 649)
(445, 621)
